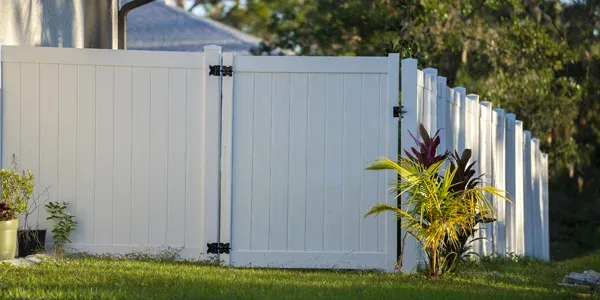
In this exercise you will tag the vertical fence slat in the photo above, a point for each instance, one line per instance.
(442, 110)
(472, 142)
(317, 89)
(494, 175)
(431, 78)
(485, 150)
(528, 193)
(425, 100)
(537, 196)
(454, 119)
(519, 194)
(460, 99)
(510, 156)
(545, 208)
(499, 205)
(410, 101)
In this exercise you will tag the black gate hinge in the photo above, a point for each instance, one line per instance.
(398, 112)
(217, 70)
(218, 248)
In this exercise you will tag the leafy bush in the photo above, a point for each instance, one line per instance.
(64, 225)
(437, 212)
(16, 188)
(464, 179)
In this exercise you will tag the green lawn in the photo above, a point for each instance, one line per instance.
(93, 278)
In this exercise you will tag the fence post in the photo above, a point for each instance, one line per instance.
(499, 171)
(545, 215)
(442, 111)
(211, 125)
(410, 100)
(519, 196)
(510, 178)
(226, 156)
(392, 241)
(472, 142)
(453, 120)
(537, 197)
(485, 149)
(461, 94)
(528, 193)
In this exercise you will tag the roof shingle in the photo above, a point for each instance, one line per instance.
(160, 27)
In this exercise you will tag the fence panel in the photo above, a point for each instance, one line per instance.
(119, 135)
(504, 153)
(137, 143)
(304, 129)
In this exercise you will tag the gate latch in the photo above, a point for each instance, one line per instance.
(398, 112)
(217, 70)
(217, 248)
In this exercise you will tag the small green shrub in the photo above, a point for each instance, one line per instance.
(64, 224)
(16, 187)
(437, 213)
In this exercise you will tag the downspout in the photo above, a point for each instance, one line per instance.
(125, 9)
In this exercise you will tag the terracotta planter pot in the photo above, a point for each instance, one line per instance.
(8, 239)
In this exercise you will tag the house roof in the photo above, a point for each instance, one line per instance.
(158, 26)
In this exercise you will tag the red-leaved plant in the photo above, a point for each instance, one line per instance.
(463, 179)
(427, 154)
(6, 213)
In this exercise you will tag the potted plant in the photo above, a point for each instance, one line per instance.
(16, 188)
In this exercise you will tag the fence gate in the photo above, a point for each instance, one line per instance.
(298, 133)
(133, 141)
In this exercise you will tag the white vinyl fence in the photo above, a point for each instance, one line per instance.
(256, 160)
(507, 156)
(125, 137)
(155, 149)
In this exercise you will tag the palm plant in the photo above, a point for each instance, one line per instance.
(464, 180)
(439, 211)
